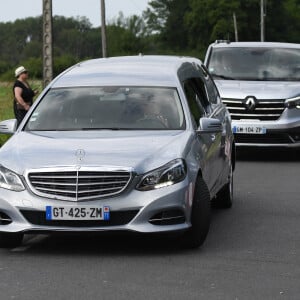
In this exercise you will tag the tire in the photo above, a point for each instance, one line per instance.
(200, 217)
(224, 198)
(10, 240)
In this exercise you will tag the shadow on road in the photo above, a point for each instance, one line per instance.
(101, 244)
(268, 154)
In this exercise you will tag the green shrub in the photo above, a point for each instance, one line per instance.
(63, 62)
(34, 65)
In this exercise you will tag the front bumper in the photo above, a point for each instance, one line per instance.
(163, 210)
(283, 133)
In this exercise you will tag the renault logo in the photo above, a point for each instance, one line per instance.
(250, 103)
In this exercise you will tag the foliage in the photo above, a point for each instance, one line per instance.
(166, 17)
(292, 8)
(190, 26)
(126, 36)
(179, 27)
(157, 15)
(74, 40)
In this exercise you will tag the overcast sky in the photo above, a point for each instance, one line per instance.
(20, 9)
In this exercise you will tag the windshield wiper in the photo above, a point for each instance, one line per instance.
(78, 129)
(106, 128)
(283, 79)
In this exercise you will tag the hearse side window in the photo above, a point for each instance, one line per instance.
(201, 92)
(194, 102)
(209, 87)
(213, 93)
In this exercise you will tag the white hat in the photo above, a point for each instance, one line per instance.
(19, 71)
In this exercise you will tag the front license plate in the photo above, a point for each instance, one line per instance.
(77, 213)
(249, 129)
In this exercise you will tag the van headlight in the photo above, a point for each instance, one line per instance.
(292, 102)
(169, 174)
(10, 180)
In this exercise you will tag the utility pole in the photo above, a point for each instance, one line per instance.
(103, 29)
(235, 28)
(47, 42)
(262, 21)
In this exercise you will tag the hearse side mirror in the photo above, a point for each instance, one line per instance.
(209, 125)
(8, 126)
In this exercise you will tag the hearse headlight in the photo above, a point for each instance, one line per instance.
(10, 180)
(292, 102)
(169, 174)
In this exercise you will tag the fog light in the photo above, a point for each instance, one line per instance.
(296, 137)
(4, 219)
(169, 217)
(292, 102)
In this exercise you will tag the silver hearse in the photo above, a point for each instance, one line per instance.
(260, 84)
(136, 144)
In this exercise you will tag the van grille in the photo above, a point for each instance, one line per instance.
(273, 138)
(265, 110)
(78, 185)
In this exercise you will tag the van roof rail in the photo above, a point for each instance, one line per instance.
(222, 41)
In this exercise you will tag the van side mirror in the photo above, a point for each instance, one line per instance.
(8, 126)
(210, 125)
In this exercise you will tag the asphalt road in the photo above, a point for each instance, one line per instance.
(252, 251)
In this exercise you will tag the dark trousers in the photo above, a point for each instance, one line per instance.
(19, 114)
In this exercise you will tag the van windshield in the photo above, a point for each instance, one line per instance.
(273, 64)
(108, 108)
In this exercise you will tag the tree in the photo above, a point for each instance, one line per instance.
(126, 36)
(181, 27)
(209, 20)
(157, 15)
(166, 19)
(292, 27)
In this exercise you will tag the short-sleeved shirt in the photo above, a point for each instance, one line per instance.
(27, 93)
